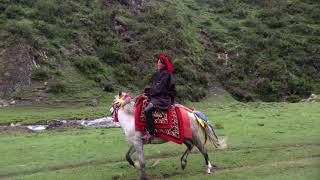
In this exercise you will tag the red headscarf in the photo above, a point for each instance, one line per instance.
(167, 63)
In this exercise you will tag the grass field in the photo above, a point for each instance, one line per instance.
(265, 141)
(40, 115)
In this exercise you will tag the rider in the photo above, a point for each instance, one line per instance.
(161, 92)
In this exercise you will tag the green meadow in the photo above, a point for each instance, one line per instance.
(265, 141)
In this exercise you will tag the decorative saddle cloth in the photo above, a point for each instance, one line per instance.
(172, 125)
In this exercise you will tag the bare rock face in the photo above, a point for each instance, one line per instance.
(16, 68)
(136, 5)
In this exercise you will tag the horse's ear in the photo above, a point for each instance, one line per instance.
(120, 93)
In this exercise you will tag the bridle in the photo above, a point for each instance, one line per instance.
(121, 101)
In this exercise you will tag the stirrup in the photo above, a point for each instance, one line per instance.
(146, 136)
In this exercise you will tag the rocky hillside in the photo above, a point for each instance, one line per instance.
(54, 51)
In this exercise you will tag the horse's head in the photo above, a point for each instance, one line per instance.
(119, 101)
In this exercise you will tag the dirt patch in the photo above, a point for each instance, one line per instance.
(60, 125)
(10, 129)
(52, 126)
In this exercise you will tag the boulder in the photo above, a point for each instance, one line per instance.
(94, 102)
(3, 103)
(312, 98)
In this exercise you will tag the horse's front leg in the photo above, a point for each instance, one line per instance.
(128, 155)
(138, 145)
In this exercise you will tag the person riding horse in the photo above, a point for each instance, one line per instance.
(161, 93)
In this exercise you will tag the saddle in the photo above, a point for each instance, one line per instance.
(172, 124)
(162, 117)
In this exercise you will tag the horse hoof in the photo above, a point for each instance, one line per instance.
(137, 164)
(209, 168)
(183, 164)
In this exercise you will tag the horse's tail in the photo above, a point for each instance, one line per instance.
(212, 136)
(207, 129)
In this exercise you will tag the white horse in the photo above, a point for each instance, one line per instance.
(125, 107)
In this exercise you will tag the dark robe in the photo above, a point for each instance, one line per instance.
(162, 90)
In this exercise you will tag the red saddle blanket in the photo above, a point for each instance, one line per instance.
(172, 125)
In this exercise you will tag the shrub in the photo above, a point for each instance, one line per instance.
(264, 86)
(113, 55)
(88, 64)
(197, 93)
(91, 67)
(23, 28)
(4, 5)
(51, 10)
(57, 87)
(274, 22)
(182, 91)
(251, 22)
(293, 98)
(314, 13)
(108, 87)
(13, 11)
(240, 14)
(46, 29)
(46, 10)
(40, 74)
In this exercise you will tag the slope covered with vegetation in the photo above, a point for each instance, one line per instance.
(268, 50)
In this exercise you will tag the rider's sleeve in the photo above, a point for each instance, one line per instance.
(161, 87)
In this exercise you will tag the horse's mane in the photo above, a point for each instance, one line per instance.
(129, 105)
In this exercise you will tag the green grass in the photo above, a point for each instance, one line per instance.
(32, 115)
(265, 141)
(40, 114)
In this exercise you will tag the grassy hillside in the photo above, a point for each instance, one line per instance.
(266, 50)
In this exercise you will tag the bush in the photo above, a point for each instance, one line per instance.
(92, 67)
(4, 5)
(51, 10)
(21, 29)
(46, 29)
(13, 12)
(293, 98)
(240, 14)
(88, 64)
(44, 73)
(182, 92)
(108, 87)
(251, 22)
(274, 22)
(113, 55)
(57, 87)
(40, 74)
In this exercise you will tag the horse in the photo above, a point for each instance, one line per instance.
(124, 106)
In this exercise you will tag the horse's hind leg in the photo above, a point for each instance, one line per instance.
(197, 142)
(184, 157)
(128, 155)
